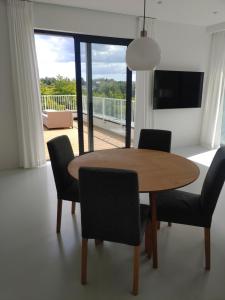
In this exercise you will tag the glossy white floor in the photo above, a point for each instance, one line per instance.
(36, 264)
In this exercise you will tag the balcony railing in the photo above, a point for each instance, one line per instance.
(107, 109)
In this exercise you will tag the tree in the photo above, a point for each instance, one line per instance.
(58, 86)
(101, 87)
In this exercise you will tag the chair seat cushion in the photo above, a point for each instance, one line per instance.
(181, 207)
(71, 193)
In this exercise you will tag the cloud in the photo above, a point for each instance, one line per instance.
(62, 49)
(108, 53)
(55, 48)
(111, 68)
(56, 55)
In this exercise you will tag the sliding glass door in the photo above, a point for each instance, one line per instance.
(102, 91)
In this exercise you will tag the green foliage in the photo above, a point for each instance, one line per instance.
(58, 86)
(108, 88)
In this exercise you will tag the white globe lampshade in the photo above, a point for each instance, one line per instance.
(143, 54)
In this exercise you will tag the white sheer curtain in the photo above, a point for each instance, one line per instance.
(213, 111)
(144, 79)
(25, 84)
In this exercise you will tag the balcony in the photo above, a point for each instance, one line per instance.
(108, 119)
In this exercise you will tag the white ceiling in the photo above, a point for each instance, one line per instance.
(197, 12)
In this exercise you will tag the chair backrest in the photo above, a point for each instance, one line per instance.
(155, 139)
(110, 207)
(61, 153)
(213, 183)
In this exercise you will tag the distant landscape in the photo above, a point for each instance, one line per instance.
(101, 87)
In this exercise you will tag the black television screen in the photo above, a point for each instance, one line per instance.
(177, 89)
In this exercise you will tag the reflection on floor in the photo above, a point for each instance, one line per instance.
(37, 264)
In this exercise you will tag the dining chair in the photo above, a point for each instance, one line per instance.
(195, 209)
(110, 211)
(61, 153)
(155, 139)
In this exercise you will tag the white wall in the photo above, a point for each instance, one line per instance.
(55, 17)
(183, 47)
(8, 133)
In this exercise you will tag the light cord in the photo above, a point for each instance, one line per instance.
(144, 16)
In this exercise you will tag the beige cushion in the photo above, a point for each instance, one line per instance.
(57, 119)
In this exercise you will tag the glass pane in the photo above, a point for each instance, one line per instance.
(56, 63)
(109, 95)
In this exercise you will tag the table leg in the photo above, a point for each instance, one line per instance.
(152, 199)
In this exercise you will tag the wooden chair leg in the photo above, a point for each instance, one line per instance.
(136, 266)
(59, 215)
(152, 197)
(84, 252)
(148, 244)
(169, 224)
(207, 248)
(73, 206)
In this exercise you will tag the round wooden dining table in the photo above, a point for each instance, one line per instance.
(157, 171)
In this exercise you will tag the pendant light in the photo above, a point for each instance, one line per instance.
(143, 54)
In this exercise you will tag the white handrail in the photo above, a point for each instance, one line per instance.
(107, 109)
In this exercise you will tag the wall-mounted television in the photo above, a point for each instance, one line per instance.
(177, 89)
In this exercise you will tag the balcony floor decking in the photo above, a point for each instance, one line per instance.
(103, 139)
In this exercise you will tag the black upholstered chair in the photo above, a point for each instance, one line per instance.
(155, 139)
(110, 211)
(61, 153)
(193, 209)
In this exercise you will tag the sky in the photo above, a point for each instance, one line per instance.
(56, 57)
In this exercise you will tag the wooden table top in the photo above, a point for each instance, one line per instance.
(157, 170)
